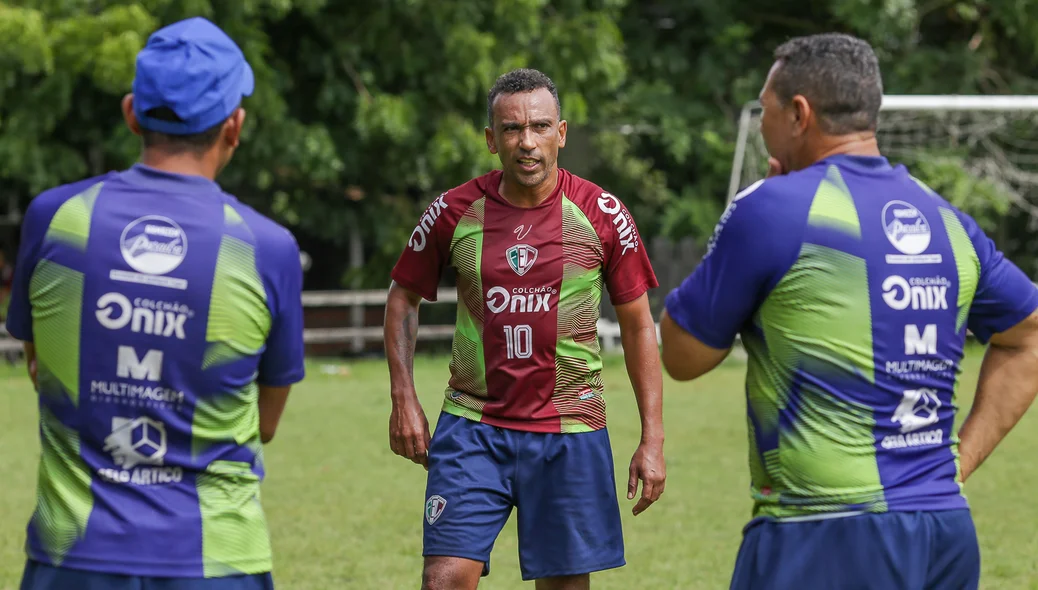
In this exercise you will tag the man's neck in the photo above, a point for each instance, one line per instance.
(187, 164)
(858, 144)
(528, 196)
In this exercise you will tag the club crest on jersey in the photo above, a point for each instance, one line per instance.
(521, 258)
(434, 508)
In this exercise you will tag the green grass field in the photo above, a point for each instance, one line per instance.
(346, 513)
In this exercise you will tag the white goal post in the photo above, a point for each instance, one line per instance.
(993, 138)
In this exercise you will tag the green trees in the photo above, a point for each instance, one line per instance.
(366, 110)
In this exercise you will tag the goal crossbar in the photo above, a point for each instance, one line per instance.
(892, 102)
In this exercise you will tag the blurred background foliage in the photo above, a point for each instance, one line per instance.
(366, 110)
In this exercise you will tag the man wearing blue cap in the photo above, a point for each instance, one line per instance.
(162, 322)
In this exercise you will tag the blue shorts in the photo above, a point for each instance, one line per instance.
(904, 550)
(39, 576)
(562, 485)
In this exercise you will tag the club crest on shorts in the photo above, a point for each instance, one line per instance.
(521, 258)
(434, 508)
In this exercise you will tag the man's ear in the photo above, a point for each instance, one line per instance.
(802, 114)
(232, 128)
(129, 115)
(491, 144)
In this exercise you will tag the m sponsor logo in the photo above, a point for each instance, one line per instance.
(521, 258)
(153, 246)
(917, 343)
(420, 235)
(917, 410)
(625, 229)
(130, 366)
(520, 299)
(908, 230)
(917, 293)
(115, 311)
(434, 507)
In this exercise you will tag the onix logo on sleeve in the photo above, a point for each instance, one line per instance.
(421, 232)
(610, 205)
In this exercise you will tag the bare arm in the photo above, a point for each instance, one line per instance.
(271, 405)
(684, 356)
(408, 426)
(642, 357)
(1006, 388)
(400, 331)
(30, 362)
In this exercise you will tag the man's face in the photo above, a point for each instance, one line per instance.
(776, 123)
(527, 135)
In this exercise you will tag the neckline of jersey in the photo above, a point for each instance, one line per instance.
(493, 179)
(154, 178)
(867, 164)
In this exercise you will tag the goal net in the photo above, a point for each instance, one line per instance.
(964, 147)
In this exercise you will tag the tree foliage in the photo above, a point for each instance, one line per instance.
(364, 111)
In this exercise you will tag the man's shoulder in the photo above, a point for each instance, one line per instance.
(266, 231)
(599, 205)
(445, 211)
(56, 196)
(467, 193)
(778, 199)
(581, 191)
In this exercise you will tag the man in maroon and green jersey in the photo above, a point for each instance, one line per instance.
(523, 423)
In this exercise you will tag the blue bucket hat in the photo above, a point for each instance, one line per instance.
(196, 70)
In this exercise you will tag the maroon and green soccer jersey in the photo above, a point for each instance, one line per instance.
(526, 354)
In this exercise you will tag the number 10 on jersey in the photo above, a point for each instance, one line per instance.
(519, 341)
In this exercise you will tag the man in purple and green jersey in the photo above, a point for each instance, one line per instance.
(163, 327)
(853, 285)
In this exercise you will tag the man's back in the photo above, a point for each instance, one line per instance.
(861, 285)
(156, 304)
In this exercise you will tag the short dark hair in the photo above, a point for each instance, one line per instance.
(195, 142)
(521, 80)
(838, 74)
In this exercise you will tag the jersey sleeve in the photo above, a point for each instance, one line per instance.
(746, 256)
(628, 272)
(282, 362)
(34, 229)
(421, 264)
(1005, 296)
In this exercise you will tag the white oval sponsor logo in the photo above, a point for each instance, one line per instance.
(906, 227)
(153, 245)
